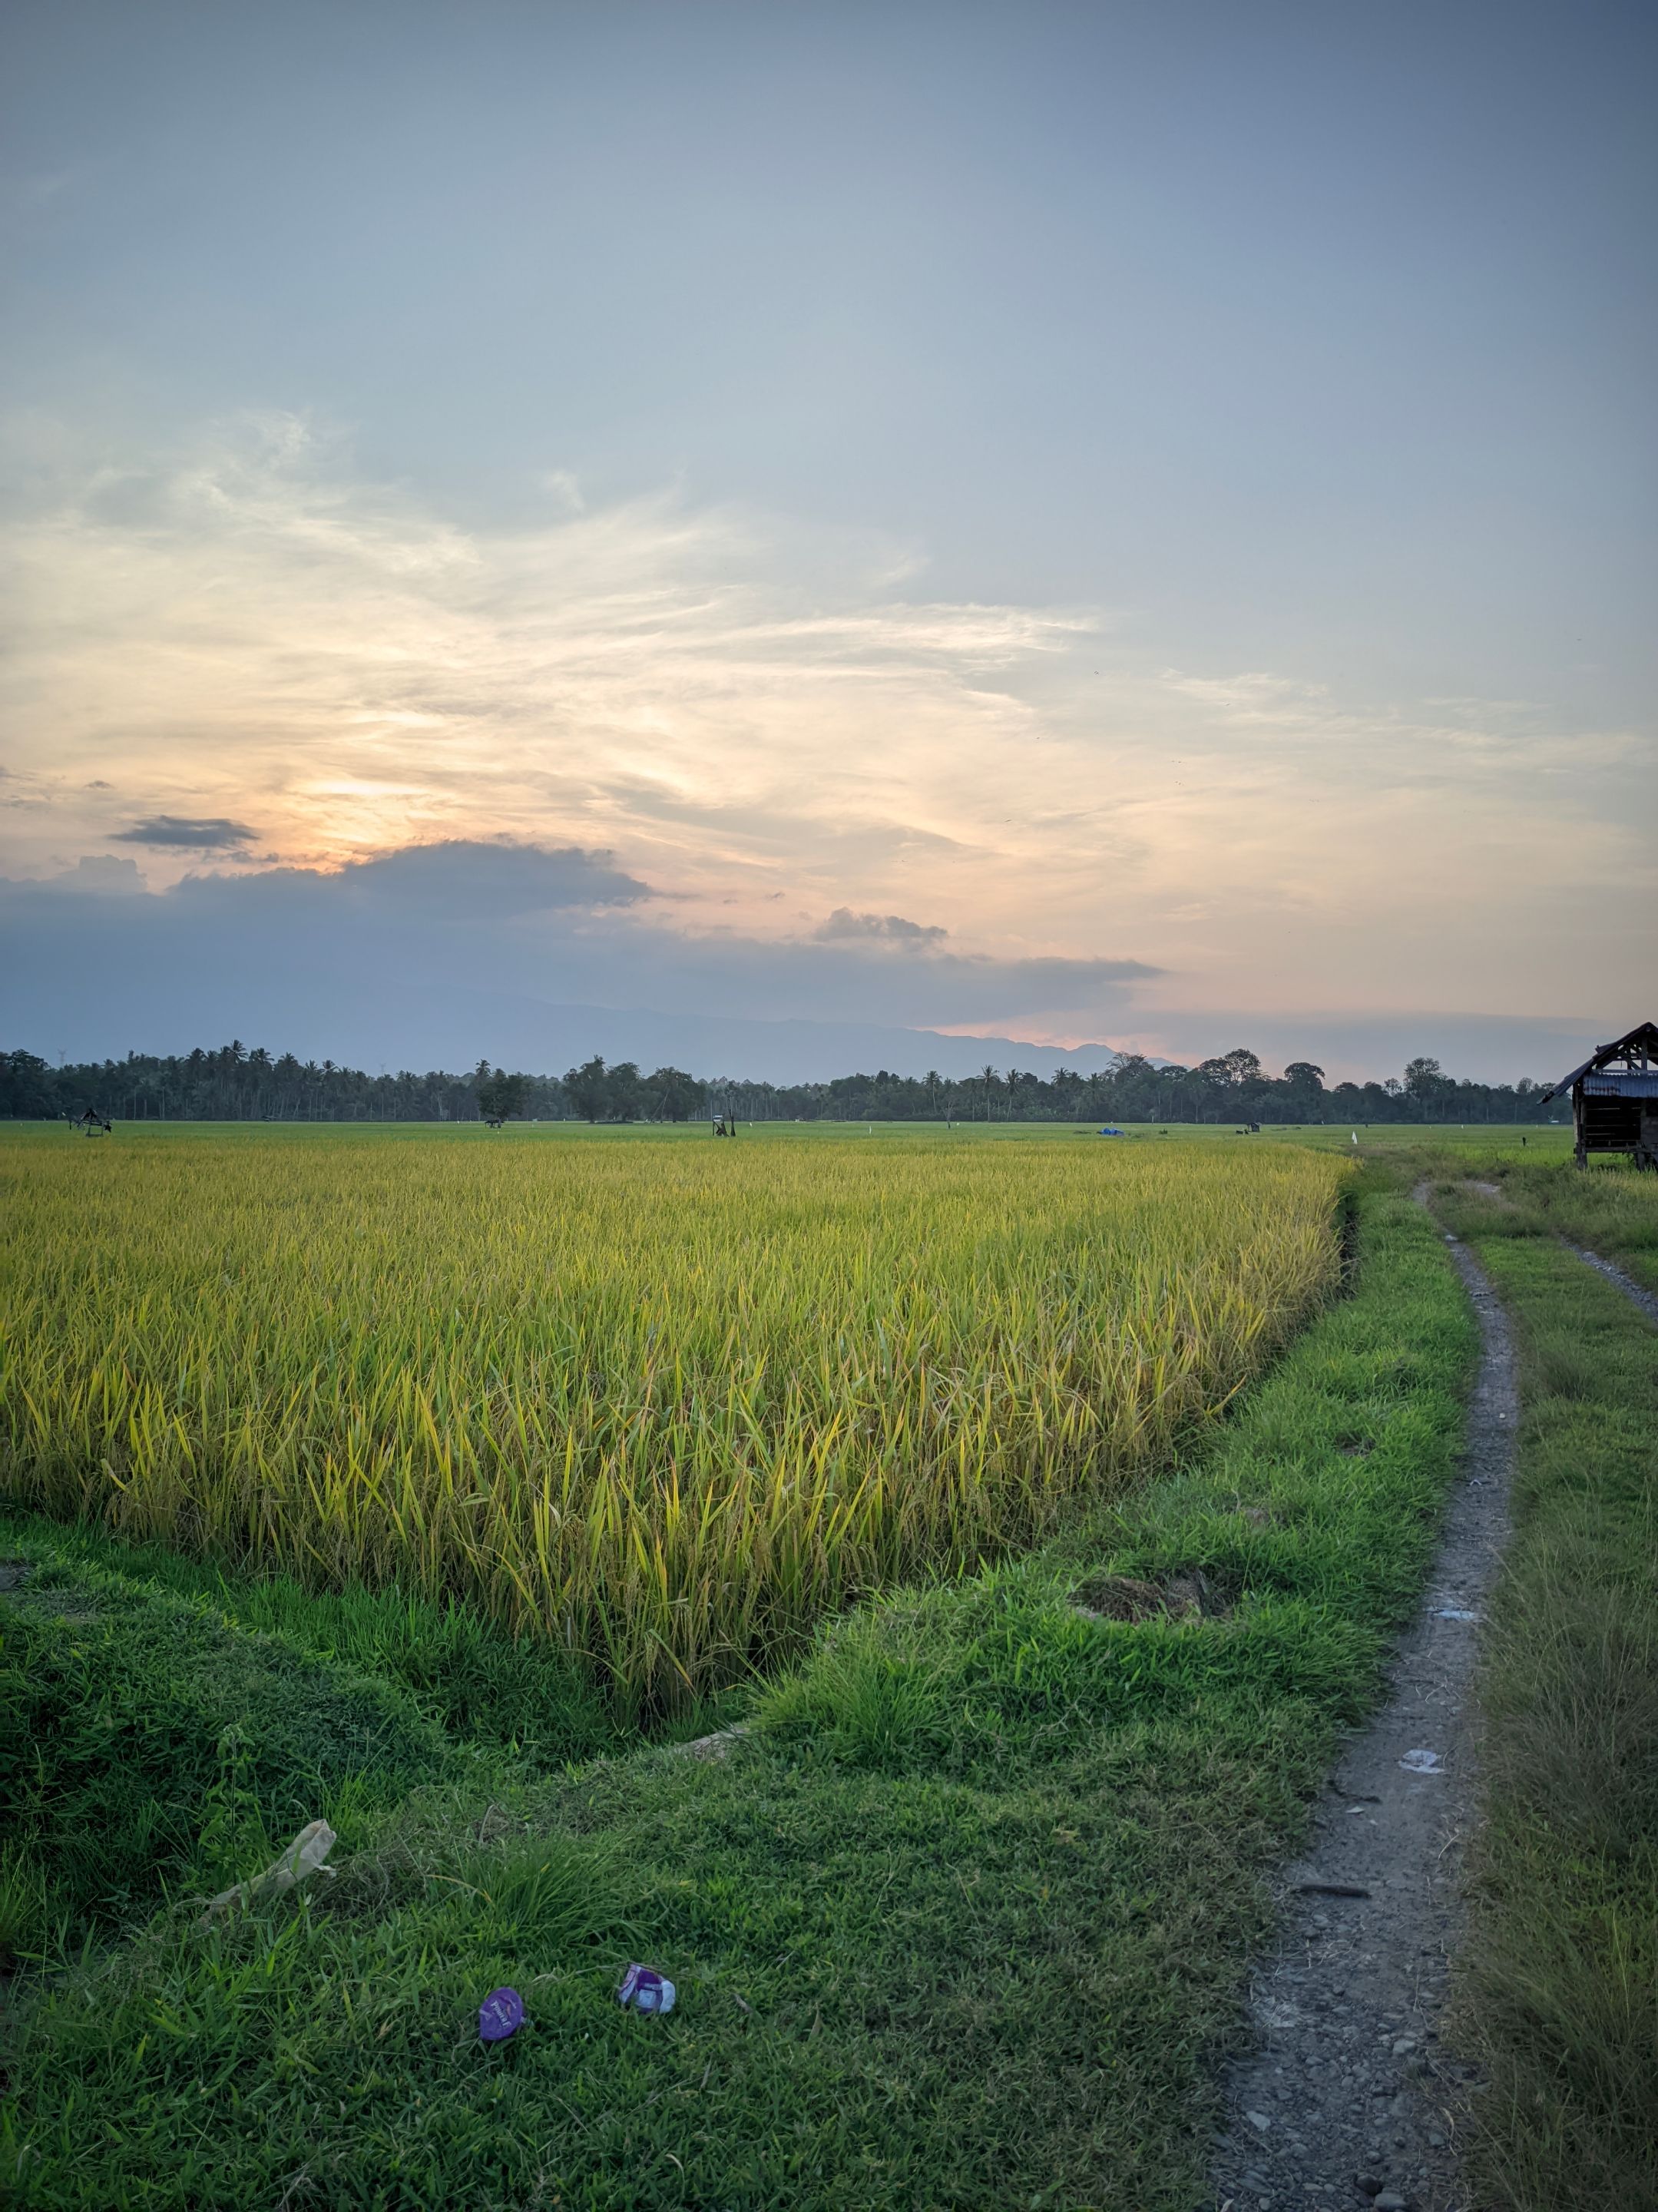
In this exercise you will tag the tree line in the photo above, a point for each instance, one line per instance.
(237, 1084)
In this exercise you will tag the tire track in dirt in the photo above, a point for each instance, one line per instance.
(1348, 2098)
(1643, 1299)
(1635, 1293)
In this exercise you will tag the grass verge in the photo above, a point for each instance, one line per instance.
(166, 1726)
(526, 1696)
(1608, 1208)
(1558, 1983)
(148, 1744)
(961, 1922)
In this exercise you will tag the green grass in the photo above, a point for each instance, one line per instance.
(1558, 1993)
(1552, 1140)
(962, 1921)
(526, 1696)
(148, 1744)
(664, 1406)
(165, 1725)
(1606, 1208)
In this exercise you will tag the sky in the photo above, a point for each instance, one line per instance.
(753, 533)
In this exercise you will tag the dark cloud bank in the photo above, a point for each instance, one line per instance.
(436, 955)
(190, 833)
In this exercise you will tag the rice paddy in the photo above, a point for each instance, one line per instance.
(666, 1401)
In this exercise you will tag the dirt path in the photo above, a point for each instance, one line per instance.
(1645, 1299)
(1632, 1290)
(1348, 2097)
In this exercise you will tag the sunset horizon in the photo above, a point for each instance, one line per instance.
(1050, 576)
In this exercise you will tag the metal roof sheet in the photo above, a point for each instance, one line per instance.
(1611, 1085)
(1643, 1036)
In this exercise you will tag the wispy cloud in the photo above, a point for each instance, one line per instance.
(251, 625)
(784, 739)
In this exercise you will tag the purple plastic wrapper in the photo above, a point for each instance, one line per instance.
(646, 1991)
(501, 2015)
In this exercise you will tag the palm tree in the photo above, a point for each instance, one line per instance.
(990, 1079)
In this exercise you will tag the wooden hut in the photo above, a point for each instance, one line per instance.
(1614, 1099)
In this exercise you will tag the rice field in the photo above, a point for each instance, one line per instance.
(667, 1401)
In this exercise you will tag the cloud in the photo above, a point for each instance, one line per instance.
(565, 488)
(717, 708)
(445, 922)
(101, 875)
(734, 707)
(352, 964)
(461, 878)
(884, 928)
(186, 833)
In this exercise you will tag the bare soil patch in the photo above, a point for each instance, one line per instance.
(1188, 1596)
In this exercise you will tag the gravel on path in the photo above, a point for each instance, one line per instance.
(1632, 1290)
(1349, 2098)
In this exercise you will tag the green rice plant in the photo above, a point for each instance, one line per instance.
(964, 1919)
(662, 1402)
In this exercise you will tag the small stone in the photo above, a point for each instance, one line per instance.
(1368, 2185)
(1402, 2044)
(1259, 2120)
(1389, 2201)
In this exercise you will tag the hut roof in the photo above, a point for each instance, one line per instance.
(1640, 1042)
